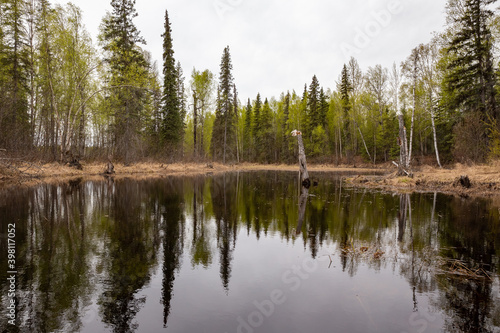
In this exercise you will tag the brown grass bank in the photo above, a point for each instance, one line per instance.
(484, 179)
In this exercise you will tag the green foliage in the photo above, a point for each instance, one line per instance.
(320, 142)
(202, 88)
(493, 130)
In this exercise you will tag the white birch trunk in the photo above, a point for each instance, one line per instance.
(435, 138)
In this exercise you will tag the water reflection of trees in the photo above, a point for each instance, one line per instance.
(428, 245)
(131, 253)
(224, 199)
(470, 233)
(53, 262)
(169, 198)
(80, 235)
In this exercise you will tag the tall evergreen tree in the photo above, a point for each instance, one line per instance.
(286, 154)
(257, 126)
(313, 106)
(266, 143)
(323, 107)
(470, 78)
(345, 91)
(256, 116)
(128, 69)
(48, 133)
(247, 132)
(14, 118)
(173, 126)
(345, 87)
(224, 131)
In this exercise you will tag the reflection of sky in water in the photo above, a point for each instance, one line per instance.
(382, 278)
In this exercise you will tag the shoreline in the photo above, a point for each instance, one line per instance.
(484, 179)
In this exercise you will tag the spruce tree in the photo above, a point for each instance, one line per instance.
(128, 70)
(224, 131)
(172, 128)
(247, 131)
(345, 88)
(313, 105)
(345, 91)
(266, 143)
(257, 126)
(304, 116)
(470, 78)
(14, 118)
(323, 107)
(45, 64)
(286, 154)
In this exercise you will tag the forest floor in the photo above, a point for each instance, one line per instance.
(484, 179)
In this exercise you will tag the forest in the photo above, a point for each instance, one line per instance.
(64, 96)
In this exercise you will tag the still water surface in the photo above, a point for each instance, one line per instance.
(248, 252)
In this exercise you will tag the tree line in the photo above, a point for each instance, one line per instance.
(62, 97)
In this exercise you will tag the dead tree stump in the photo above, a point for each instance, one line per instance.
(463, 181)
(304, 175)
(73, 161)
(110, 169)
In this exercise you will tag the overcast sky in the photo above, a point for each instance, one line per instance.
(278, 45)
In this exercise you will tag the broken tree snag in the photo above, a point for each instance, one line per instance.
(72, 160)
(302, 160)
(463, 181)
(110, 169)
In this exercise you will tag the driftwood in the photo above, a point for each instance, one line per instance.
(304, 175)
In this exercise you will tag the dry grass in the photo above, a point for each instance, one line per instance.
(485, 179)
(460, 269)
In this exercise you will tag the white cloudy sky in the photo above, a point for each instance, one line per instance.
(278, 45)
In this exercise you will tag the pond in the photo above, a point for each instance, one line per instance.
(247, 252)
